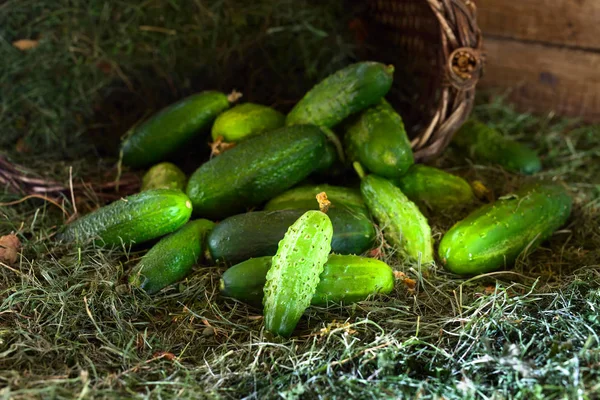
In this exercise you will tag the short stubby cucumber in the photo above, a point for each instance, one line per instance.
(347, 91)
(133, 220)
(164, 175)
(258, 233)
(377, 139)
(494, 235)
(345, 279)
(172, 258)
(171, 128)
(304, 197)
(295, 269)
(486, 145)
(255, 170)
(403, 224)
(245, 120)
(435, 188)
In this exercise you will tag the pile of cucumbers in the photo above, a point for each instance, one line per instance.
(288, 243)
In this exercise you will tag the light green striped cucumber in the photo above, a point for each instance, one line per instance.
(494, 235)
(349, 90)
(133, 220)
(294, 274)
(345, 279)
(172, 258)
(164, 175)
(434, 188)
(245, 120)
(403, 224)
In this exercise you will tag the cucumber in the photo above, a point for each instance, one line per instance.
(255, 170)
(246, 120)
(494, 235)
(295, 269)
(165, 175)
(377, 139)
(171, 128)
(133, 220)
(345, 279)
(486, 145)
(349, 90)
(403, 224)
(255, 234)
(172, 258)
(434, 188)
(304, 197)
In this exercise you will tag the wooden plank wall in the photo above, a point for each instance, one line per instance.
(546, 53)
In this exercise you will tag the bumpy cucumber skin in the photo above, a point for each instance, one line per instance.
(294, 274)
(258, 233)
(496, 234)
(342, 93)
(173, 126)
(403, 224)
(255, 170)
(164, 175)
(435, 188)
(305, 197)
(377, 139)
(172, 258)
(136, 219)
(486, 145)
(345, 279)
(246, 120)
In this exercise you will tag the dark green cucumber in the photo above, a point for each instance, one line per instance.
(304, 197)
(164, 175)
(246, 120)
(172, 258)
(488, 146)
(295, 269)
(435, 188)
(403, 224)
(494, 235)
(133, 220)
(342, 93)
(377, 139)
(345, 279)
(255, 234)
(255, 170)
(171, 128)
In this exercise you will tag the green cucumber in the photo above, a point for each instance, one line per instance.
(494, 235)
(403, 224)
(486, 145)
(342, 93)
(345, 279)
(295, 269)
(304, 197)
(133, 220)
(255, 170)
(377, 139)
(246, 120)
(172, 258)
(434, 188)
(171, 128)
(255, 234)
(164, 175)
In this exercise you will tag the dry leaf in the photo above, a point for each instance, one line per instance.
(9, 248)
(25, 44)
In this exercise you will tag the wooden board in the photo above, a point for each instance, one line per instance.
(545, 78)
(574, 23)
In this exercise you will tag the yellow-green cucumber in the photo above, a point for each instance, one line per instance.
(402, 223)
(347, 91)
(132, 220)
(172, 258)
(294, 274)
(245, 120)
(345, 279)
(165, 175)
(494, 235)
